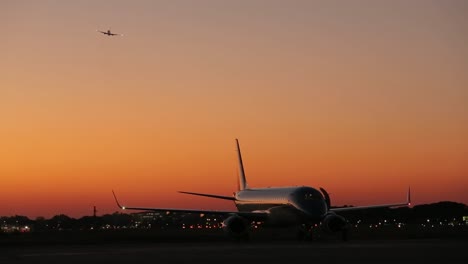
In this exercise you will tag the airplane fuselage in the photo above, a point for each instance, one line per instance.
(109, 33)
(285, 205)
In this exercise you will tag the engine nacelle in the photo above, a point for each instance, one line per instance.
(236, 226)
(332, 223)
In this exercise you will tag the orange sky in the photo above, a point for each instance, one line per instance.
(361, 97)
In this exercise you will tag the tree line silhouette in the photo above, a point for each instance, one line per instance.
(445, 212)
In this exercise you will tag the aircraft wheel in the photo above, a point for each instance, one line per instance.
(243, 238)
(300, 235)
(344, 234)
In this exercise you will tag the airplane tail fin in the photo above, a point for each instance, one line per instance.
(242, 181)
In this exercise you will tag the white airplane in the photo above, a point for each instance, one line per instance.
(109, 33)
(304, 207)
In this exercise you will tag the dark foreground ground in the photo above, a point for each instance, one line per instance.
(265, 246)
(287, 251)
(173, 235)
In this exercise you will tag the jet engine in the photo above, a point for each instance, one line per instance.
(332, 223)
(236, 226)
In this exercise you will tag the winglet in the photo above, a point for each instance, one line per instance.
(409, 196)
(117, 201)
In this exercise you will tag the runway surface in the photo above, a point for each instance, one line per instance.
(392, 251)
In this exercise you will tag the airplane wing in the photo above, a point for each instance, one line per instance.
(341, 209)
(211, 195)
(255, 215)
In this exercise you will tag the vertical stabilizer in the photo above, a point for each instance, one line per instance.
(242, 181)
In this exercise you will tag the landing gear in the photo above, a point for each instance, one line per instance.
(311, 232)
(344, 234)
(241, 238)
(300, 235)
(305, 233)
(244, 238)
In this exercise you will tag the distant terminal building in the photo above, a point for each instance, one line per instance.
(164, 220)
(147, 215)
(15, 229)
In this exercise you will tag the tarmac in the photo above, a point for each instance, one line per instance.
(368, 251)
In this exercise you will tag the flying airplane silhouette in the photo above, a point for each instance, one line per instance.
(304, 207)
(109, 33)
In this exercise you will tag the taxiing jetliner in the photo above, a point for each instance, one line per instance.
(302, 206)
(109, 33)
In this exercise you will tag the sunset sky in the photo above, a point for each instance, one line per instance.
(363, 98)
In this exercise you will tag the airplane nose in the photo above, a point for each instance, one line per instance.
(314, 210)
(310, 201)
(320, 208)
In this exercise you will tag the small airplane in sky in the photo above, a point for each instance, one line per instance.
(302, 206)
(109, 33)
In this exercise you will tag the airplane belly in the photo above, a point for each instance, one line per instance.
(279, 214)
(249, 207)
(283, 215)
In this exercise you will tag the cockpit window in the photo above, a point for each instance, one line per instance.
(312, 196)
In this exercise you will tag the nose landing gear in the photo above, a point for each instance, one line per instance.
(306, 232)
(312, 232)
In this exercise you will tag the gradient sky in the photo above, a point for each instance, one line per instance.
(363, 98)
